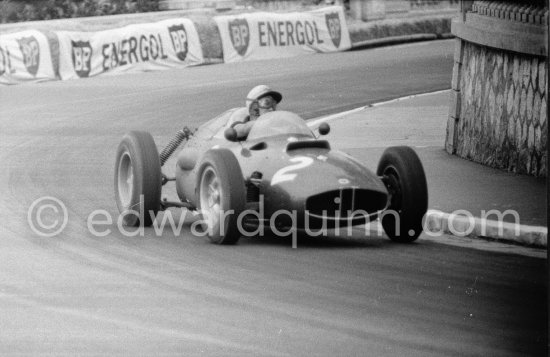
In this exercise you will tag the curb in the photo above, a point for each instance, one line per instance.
(394, 40)
(473, 227)
(312, 123)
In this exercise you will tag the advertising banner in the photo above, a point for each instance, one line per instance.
(25, 56)
(264, 35)
(134, 48)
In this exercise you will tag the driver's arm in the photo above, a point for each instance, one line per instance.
(243, 129)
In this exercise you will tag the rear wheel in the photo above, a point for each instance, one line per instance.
(403, 175)
(138, 179)
(221, 196)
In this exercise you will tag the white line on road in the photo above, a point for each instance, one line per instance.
(317, 121)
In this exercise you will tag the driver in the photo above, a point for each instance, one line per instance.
(260, 100)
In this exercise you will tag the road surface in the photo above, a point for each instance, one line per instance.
(177, 294)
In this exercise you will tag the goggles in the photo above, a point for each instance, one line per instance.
(267, 102)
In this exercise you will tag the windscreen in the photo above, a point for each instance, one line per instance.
(277, 123)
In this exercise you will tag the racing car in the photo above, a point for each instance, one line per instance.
(283, 175)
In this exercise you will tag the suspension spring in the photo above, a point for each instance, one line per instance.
(180, 136)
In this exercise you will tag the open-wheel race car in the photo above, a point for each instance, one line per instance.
(282, 176)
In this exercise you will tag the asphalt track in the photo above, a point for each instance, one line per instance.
(170, 294)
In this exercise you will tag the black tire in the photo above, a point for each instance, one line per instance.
(221, 169)
(137, 152)
(403, 174)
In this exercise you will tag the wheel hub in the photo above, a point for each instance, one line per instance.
(210, 197)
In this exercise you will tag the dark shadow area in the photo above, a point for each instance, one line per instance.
(307, 241)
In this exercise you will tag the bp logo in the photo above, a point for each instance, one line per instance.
(334, 29)
(240, 35)
(31, 53)
(82, 58)
(179, 40)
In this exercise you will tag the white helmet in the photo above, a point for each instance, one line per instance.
(259, 92)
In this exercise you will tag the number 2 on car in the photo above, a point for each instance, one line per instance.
(286, 173)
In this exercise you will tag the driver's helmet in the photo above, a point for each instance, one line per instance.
(263, 96)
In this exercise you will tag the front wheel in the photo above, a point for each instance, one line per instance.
(403, 175)
(221, 195)
(138, 179)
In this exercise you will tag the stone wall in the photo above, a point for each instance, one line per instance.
(503, 122)
(498, 107)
